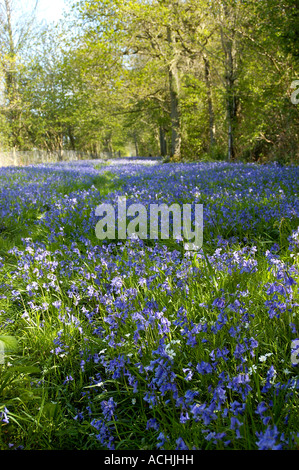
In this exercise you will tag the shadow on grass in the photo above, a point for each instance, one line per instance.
(13, 230)
(104, 183)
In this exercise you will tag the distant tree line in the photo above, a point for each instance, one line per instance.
(188, 79)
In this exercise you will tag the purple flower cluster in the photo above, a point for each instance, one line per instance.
(4, 415)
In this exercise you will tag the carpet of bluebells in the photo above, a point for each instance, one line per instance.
(138, 344)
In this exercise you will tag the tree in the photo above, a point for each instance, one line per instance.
(184, 78)
(15, 33)
(143, 30)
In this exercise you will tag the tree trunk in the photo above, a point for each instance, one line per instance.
(10, 77)
(108, 147)
(71, 137)
(10, 71)
(174, 89)
(175, 116)
(210, 102)
(136, 144)
(228, 45)
(15, 158)
(163, 143)
(230, 102)
(60, 147)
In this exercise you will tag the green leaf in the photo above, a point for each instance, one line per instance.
(51, 410)
(8, 343)
(26, 369)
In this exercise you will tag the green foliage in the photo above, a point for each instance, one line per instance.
(139, 77)
(8, 344)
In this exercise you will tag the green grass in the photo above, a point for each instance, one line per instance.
(43, 415)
